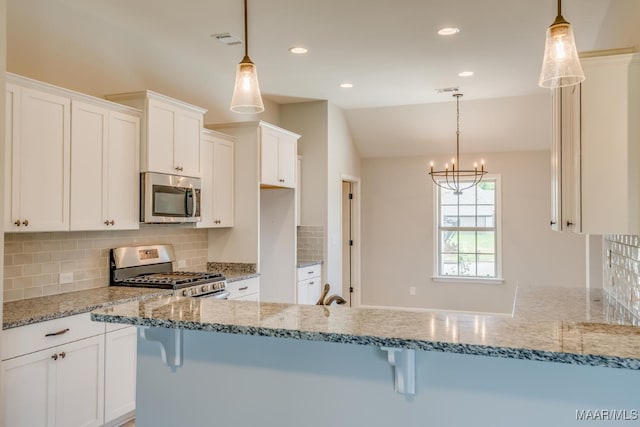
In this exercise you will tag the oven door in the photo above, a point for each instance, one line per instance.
(169, 198)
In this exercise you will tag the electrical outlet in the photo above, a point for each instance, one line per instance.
(65, 278)
(182, 263)
(412, 290)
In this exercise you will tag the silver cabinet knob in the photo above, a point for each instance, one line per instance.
(17, 222)
(25, 222)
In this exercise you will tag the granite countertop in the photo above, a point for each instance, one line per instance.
(234, 271)
(34, 310)
(549, 324)
(307, 263)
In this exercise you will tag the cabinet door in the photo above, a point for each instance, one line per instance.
(287, 161)
(28, 390)
(79, 383)
(160, 137)
(123, 172)
(11, 149)
(571, 166)
(186, 149)
(89, 133)
(41, 168)
(223, 183)
(303, 293)
(269, 157)
(120, 373)
(207, 193)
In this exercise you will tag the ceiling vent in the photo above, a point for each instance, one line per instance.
(227, 38)
(452, 89)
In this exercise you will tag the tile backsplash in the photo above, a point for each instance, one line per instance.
(33, 261)
(621, 272)
(310, 243)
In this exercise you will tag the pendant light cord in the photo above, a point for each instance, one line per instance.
(246, 32)
(458, 136)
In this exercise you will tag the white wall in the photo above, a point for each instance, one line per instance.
(310, 120)
(617, 30)
(328, 153)
(397, 235)
(343, 160)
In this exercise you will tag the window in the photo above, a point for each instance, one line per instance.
(468, 231)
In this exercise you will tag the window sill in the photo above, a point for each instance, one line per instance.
(457, 279)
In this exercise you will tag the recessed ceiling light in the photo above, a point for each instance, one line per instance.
(298, 50)
(346, 85)
(448, 31)
(466, 74)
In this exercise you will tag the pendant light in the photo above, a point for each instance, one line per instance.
(457, 180)
(561, 65)
(246, 92)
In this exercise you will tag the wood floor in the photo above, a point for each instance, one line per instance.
(131, 423)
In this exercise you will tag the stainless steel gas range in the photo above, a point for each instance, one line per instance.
(151, 267)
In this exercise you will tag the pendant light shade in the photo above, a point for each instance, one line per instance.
(561, 64)
(246, 91)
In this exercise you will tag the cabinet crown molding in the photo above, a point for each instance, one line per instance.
(251, 124)
(149, 94)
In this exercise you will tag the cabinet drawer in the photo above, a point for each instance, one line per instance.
(30, 338)
(308, 272)
(243, 287)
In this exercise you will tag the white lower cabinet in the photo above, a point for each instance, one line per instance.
(245, 290)
(59, 386)
(120, 373)
(67, 373)
(309, 284)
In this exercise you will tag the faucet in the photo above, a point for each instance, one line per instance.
(323, 300)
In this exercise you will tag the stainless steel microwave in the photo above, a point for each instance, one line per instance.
(169, 198)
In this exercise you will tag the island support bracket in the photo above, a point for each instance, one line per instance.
(403, 360)
(170, 341)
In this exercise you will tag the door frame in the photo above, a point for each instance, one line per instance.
(356, 298)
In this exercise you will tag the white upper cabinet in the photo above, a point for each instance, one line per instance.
(217, 160)
(278, 156)
(596, 149)
(104, 168)
(171, 133)
(610, 143)
(37, 150)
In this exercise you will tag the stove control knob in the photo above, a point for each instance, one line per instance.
(203, 288)
(185, 293)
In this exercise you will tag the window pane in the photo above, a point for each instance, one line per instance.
(486, 265)
(447, 197)
(467, 242)
(487, 192)
(486, 216)
(449, 242)
(449, 265)
(468, 216)
(467, 264)
(486, 242)
(468, 196)
(449, 216)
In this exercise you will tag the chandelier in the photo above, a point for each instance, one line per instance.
(457, 179)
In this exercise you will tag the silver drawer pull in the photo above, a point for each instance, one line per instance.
(310, 272)
(312, 283)
(53, 334)
(244, 288)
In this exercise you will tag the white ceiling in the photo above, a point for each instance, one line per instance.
(388, 49)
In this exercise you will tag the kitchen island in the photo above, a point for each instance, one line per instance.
(245, 363)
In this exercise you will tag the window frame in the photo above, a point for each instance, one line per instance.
(437, 277)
